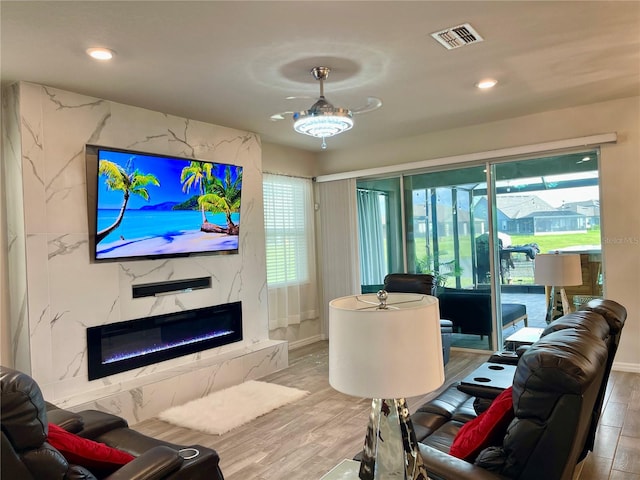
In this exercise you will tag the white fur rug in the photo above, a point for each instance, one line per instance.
(227, 409)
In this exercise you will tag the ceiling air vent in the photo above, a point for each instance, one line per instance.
(459, 36)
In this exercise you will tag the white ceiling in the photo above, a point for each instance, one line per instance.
(233, 63)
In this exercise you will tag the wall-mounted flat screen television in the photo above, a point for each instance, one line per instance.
(144, 205)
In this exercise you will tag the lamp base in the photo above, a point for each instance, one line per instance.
(552, 312)
(553, 309)
(390, 447)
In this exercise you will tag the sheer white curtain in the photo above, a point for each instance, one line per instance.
(290, 247)
(337, 243)
(373, 266)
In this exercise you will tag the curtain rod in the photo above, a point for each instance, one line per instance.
(587, 141)
(287, 175)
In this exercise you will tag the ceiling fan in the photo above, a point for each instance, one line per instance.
(322, 119)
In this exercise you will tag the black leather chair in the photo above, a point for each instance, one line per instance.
(26, 454)
(424, 284)
(470, 310)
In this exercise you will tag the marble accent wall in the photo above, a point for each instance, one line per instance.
(59, 292)
(12, 177)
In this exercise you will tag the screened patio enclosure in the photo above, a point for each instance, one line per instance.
(478, 228)
(443, 225)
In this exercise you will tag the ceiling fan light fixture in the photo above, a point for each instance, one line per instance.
(321, 124)
(322, 120)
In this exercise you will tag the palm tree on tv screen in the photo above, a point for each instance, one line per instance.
(195, 176)
(129, 181)
(223, 196)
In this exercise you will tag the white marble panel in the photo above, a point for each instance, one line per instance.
(33, 168)
(139, 273)
(67, 293)
(180, 385)
(186, 387)
(257, 364)
(82, 295)
(69, 122)
(133, 128)
(39, 312)
(16, 249)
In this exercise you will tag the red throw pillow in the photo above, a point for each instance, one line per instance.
(486, 429)
(87, 453)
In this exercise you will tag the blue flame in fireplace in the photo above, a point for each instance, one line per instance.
(120, 356)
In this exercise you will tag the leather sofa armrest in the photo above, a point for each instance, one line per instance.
(504, 358)
(76, 472)
(71, 422)
(479, 391)
(97, 423)
(481, 404)
(156, 463)
(443, 466)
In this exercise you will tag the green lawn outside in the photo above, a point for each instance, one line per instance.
(546, 243)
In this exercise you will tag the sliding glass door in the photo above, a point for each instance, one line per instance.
(442, 223)
(548, 205)
(447, 218)
(478, 229)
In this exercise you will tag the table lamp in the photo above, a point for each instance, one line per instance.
(386, 346)
(557, 270)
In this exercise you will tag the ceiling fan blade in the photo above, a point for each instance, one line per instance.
(300, 97)
(279, 116)
(373, 103)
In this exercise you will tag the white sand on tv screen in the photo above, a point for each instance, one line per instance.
(174, 243)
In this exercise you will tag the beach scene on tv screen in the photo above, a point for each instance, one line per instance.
(152, 206)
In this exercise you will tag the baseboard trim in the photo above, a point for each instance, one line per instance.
(305, 341)
(626, 367)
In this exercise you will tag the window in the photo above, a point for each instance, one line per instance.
(535, 205)
(379, 231)
(288, 220)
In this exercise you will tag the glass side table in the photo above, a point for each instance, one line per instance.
(345, 470)
(524, 336)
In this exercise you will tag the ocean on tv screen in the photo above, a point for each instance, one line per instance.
(162, 233)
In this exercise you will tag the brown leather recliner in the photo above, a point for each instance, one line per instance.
(26, 454)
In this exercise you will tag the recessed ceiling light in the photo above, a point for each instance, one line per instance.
(100, 53)
(488, 83)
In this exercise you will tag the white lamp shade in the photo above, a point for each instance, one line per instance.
(558, 269)
(385, 353)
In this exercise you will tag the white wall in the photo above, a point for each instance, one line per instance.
(620, 181)
(282, 160)
(57, 293)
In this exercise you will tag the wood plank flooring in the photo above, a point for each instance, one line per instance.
(616, 455)
(304, 440)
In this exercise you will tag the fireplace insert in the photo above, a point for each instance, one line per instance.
(122, 346)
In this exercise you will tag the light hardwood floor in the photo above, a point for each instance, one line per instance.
(304, 440)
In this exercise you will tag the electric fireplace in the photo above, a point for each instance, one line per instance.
(122, 346)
